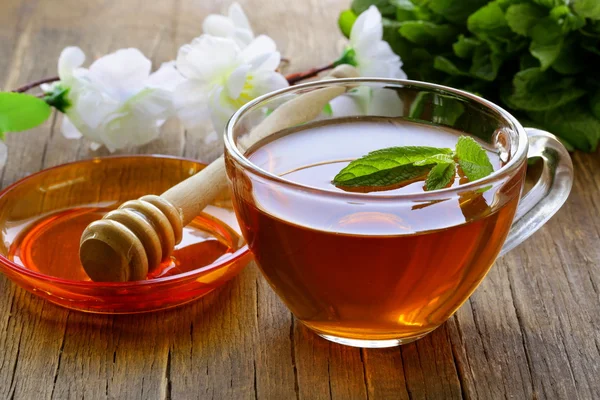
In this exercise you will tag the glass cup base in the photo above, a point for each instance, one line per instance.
(371, 344)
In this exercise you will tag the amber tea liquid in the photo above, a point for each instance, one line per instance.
(364, 270)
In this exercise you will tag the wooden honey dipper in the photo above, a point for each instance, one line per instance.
(134, 239)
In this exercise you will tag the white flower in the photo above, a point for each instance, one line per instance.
(116, 102)
(235, 26)
(364, 100)
(221, 77)
(371, 54)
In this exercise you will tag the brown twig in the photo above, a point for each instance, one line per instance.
(300, 76)
(32, 85)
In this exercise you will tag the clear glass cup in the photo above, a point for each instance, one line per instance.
(326, 270)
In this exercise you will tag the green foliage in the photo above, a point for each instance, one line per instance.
(388, 166)
(19, 112)
(345, 22)
(473, 159)
(397, 165)
(537, 58)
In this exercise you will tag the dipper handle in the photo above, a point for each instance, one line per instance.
(133, 240)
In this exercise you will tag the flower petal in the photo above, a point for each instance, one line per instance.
(266, 62)
(207, 57)
(264, 82)
(167, 77)
(259, 46)
(237, 80)
(243, 37)
(69, 130)
(191, 103)
(218, 25)
(345, 106)
(122, 72)
(70, 58)
(385, 103)
(237, 15)
(220, 109)
(367, 29)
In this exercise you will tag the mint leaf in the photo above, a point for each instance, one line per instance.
(473, 159)
(426, 33)
(547, 41)
(456, 11)
(440, 176)
(574, 123)
(387, 167)
(486, 64)
(447, 66)
(587, 8)
(464, 47)
(537, 90)
(522, 17)
(436, 159)
(385, 8)
(19, 112)
(490, 20)
(566, 19)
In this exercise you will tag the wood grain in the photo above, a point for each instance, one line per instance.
(531, 331)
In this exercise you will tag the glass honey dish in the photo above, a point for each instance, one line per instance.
(43, 215)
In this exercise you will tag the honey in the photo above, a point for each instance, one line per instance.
(42, 218)
(51, 245)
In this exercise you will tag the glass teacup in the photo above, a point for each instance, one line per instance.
(380, 269)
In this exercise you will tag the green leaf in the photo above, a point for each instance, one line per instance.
(551, 3)
(486, 64)
(387, 167)
(587, 8)
(426, 33)
(566, 19)
(443, 64)
(569, 61)
(440, 176)
(405, 10)
(346, 21)
(19, 112)
(385, 8)
(547, 41)
(473, 159)
(522, 17)
(465, 47)
(456, 11)
(595, 103)
(436, 159)
(489, 20)
(536, 90)
(574, 123)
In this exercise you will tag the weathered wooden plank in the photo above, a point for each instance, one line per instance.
(532, 330)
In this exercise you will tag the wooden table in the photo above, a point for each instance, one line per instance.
(532, 330)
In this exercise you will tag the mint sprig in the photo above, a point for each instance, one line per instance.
(399, 165)
(539, 59)
(473, 159)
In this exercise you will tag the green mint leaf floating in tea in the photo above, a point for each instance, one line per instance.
(397, 166)
(440, 176)
(473, 159)
(389, 166)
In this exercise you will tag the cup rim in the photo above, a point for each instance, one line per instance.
(513, 164)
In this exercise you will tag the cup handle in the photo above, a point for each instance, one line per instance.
(549, 193)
